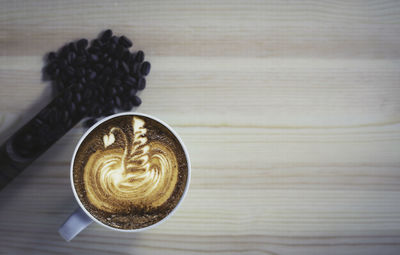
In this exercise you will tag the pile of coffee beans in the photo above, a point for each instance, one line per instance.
(88, 81)
(100, 79)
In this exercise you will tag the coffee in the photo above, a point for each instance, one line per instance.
(130, 172)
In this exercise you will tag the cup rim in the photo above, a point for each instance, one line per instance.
(130, 114)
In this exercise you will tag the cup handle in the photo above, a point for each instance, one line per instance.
(75, 223)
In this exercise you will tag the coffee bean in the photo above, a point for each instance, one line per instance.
(136, 101)
(131, 81)
(93, 57)
(115, 82)
(139, 56)
(114, 39)
(82, 110)
(51, 56)
(141, 84)
(83, 80)
(115, 65)
(65, 116)
(79, 87)
(107, 71)
(87, 94)
(80, 72)
(92, 75)
(81, 60)
(44, 113)
(64, 51)
(145, 68)
(72, 108)
(71, 57)
(62, 63)
(99, 68)
(82, 43)
(127, 106)
(78, 98)
(50, 68)
(117, 101)
(53, 116)
(119, 51)
(67, 96)
(120, 90)
(125, 67)
(97, 43)
(112, 91)
(70, 70)
(135, 68)
(106, 35)
(72, 47)
(126, 56)
(132, 92)
(125, 42)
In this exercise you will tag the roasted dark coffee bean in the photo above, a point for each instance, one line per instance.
(71, 57)
(94, 57)
(83, 80)
(136, 101)
(114, 39)
(119, 51)
(90, 122)
(107, 71)
(125, 67)
(78, 98)
(44, 114)
(72, 108)
(50, 68)
(112, 91)
(145, 68)
(65, 116)
(72, 47)
(125, 42)
(135, 68)
(53, 116)
(60, 102)
(82, 110)
(82, 43)
(106, 35)
(126, 56)
(69, 70)
(62, 63)
(94, 50)
(60, 86)
(81, 60)
(64, 51)
(97, 43)
(115, 65)
(99, 68)
(141, 84)
(139, 57)
(120, 90)
(127, 106)
(132, 92)
(108, 60)
(101, 99)
(117, 102)
(51, 56)
(92, 75)
(67, 96)
(80, 72)
(115, 82)
(79, 87)
(130, 81)
(87, 94)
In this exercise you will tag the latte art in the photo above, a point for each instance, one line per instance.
(141, 174)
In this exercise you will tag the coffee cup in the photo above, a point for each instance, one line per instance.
(86, 214)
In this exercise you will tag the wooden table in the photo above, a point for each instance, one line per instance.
(290, 111)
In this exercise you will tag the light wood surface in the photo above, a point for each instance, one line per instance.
(290, 111)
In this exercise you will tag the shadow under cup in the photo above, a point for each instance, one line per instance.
(129, 172)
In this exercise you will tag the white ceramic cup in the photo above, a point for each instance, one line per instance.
(81, 218)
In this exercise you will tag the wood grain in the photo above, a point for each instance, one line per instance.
(290, 111)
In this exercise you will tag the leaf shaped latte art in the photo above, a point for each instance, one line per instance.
(142, 174)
